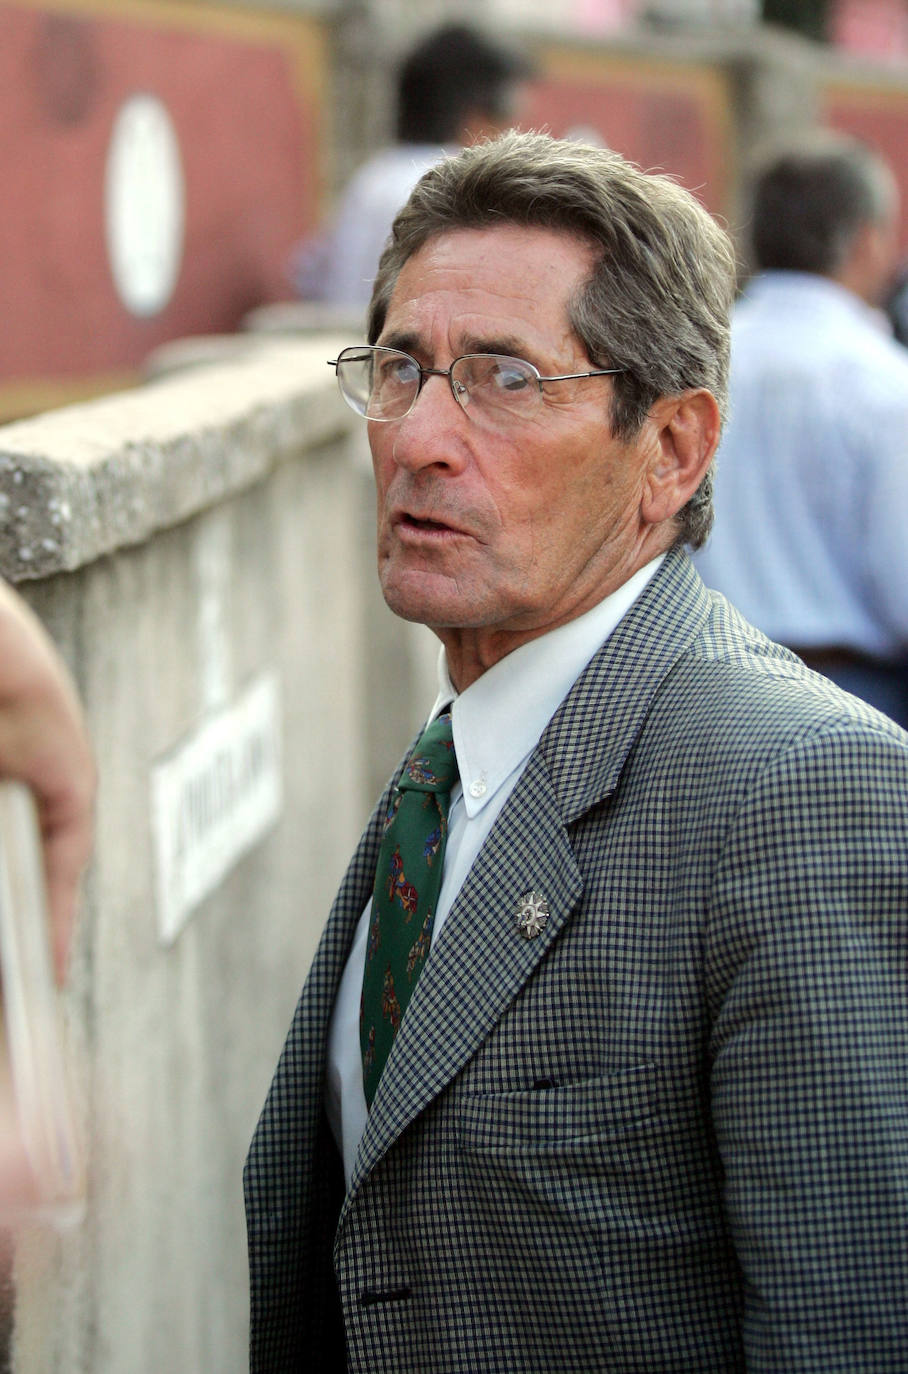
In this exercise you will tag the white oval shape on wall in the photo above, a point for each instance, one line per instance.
(144, 205)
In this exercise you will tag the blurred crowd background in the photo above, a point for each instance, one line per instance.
(166, 163)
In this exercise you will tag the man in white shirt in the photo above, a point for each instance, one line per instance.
(811, 488)
(644, 1104)
(455, 86)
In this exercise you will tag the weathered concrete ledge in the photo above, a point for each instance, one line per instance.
(80, 482)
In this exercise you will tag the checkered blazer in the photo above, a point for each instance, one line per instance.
(668, 1133)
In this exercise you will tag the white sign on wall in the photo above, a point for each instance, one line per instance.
(144, 205)
(213, 799)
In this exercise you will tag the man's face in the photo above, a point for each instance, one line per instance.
(497, 536)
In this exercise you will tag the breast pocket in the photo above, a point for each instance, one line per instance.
(543, 1175)
(549, 1172)
(605, 1191)
(546, 1119)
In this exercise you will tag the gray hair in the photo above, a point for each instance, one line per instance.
(658, 300)
(812, 196)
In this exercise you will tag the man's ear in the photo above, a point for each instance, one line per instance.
(686, 437)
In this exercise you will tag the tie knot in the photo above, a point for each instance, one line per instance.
(432, 767)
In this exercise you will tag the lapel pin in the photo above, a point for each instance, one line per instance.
(532, 915)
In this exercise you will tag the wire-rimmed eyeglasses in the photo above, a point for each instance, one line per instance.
(383, 383)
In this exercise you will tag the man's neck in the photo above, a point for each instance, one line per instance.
(472, 651)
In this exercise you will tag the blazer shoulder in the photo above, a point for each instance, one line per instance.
(734, 704)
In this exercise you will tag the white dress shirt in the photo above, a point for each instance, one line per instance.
(811, 493)
(497, 723)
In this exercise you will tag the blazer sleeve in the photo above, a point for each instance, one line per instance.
(807, 976)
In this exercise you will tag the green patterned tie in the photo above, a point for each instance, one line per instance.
(407, 883)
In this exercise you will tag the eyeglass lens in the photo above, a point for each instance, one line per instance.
(382, 383)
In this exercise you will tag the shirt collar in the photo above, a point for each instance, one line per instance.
(498, 719)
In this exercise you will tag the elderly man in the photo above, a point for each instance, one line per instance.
(601, 1062)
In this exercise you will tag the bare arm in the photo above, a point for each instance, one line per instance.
(44, 743)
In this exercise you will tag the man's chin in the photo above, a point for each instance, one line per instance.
(425, 600)
(418, 609)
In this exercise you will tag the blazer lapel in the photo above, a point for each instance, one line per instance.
(340, 928)
(306, 1050)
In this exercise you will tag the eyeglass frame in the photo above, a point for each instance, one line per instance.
(425, 372)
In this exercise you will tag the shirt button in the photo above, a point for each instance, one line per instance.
(478, 788)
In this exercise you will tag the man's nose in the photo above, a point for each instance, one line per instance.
(452, 385)
(435, 430)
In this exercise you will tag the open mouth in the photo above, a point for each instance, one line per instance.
(415, 524)
(431, 526)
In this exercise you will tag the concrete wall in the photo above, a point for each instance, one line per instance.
(181, 541)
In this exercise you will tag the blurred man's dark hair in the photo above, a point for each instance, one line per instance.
(811, 199)
(453, 74)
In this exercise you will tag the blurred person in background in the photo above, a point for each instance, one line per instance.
(811, 488)
(897, 304)
(455, 87)
(44, 743)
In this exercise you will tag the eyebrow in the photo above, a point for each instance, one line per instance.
(403, 342)
(505, 344)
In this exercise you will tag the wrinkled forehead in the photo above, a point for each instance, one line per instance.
(500, 287)
(490, 251)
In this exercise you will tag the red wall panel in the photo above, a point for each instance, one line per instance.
(243, 98)
(675, 118)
